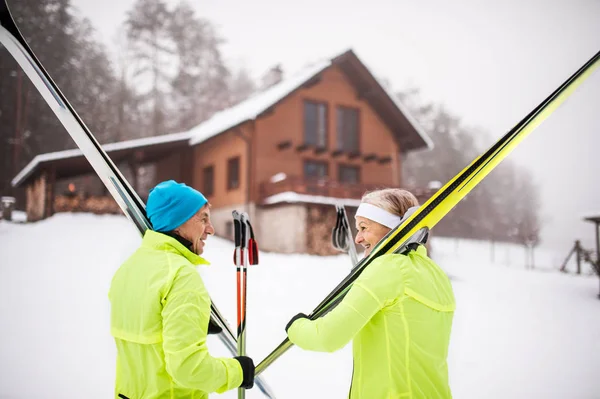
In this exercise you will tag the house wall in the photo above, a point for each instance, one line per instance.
(216, 152)
(177, 166)
(286, 122)
(221, 217)
(320, 220)
(256, 144)
(169, 168)
(267, 223)
(281, 228)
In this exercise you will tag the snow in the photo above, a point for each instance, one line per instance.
(517, 333)
(123, 145)
(19, 216)
(260, 102)
(292, 197)
(51, 156)
(278, 177)
(253, 106)
(224, 120)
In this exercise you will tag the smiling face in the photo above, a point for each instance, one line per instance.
(369, 233)
(197, 229)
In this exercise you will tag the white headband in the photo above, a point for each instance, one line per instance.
(378, 215)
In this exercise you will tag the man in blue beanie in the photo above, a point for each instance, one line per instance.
(160, 308)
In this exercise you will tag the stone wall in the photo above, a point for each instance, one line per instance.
(222, 220)
(320, 221)
(282, 228)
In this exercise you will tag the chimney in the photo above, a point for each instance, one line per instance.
(272, 77)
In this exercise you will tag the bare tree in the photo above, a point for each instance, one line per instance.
(200, 86)
(504, 207)
(241, 86)
(148, 30)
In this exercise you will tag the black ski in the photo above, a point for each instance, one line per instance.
(120, 189)
(341, 235)
(445, 199)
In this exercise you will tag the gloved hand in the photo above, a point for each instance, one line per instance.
(247, 371)
(213, 328)
(298, 316)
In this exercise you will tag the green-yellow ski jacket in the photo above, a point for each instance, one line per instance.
(159, 319)
(399, 315)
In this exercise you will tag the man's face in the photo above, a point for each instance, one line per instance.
(197, 229)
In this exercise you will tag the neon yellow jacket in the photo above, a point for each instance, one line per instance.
(159, 319)
(399, 315)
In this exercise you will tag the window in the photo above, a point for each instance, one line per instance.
(233, 173)
(347, 129)
(349, 174)
(315, 124)
(315, 170)
(208, 181)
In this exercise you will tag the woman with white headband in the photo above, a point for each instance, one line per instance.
(398, 313)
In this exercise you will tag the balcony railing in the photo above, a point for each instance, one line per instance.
(330, 188)
(319, 187)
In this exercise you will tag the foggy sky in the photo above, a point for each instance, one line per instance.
(489, 62)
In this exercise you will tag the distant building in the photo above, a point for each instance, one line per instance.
(285, 156)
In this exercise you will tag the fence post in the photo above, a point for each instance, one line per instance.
(578, 252)
(8, 204)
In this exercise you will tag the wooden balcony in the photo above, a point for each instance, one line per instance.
(329, 188)
(317, 187)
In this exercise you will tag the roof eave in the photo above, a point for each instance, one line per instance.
(40, 159)
(402, 112)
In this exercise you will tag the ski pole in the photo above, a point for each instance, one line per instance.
(242, 294)
(119, 188)
(351, 246)
(341, 235)
(239, 260)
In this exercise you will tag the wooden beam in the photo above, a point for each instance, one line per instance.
(282, 145)
(49, 197)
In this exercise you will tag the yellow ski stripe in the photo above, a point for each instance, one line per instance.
(471, 181)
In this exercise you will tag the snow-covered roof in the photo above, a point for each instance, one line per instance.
(252, 107)
(229, 118)
(123, 145)
(292, 197)
(418, 128)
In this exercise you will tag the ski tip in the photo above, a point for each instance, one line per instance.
(5, 16)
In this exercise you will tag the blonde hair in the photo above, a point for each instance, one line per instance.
(393, 200)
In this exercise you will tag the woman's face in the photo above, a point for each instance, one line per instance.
(369, 233)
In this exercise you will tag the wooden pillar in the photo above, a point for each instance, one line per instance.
(187, 169)
(578, 255)
(134, 164)
(49, 192)
(598, 247)
(36, 193)
(598, 251)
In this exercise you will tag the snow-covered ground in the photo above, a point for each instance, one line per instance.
(517, 333)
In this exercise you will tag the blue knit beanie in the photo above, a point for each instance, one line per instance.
(171, 204)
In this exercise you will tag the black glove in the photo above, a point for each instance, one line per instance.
(247, 371)
(214, 328)
(298, 316)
